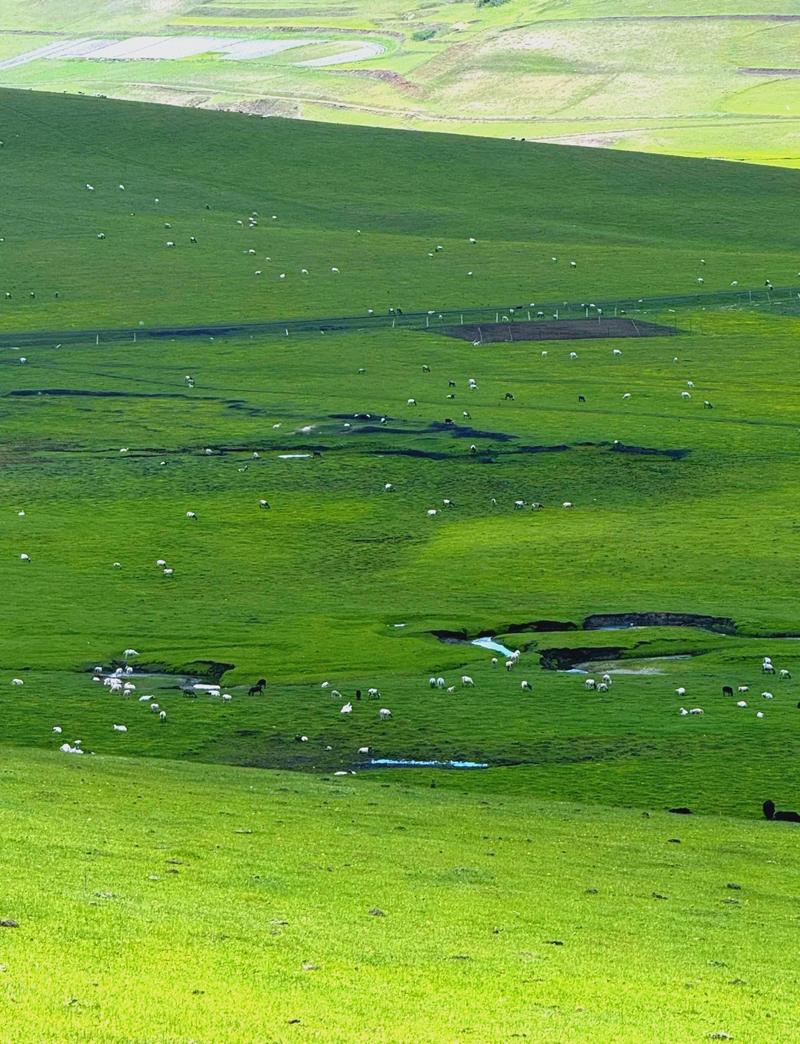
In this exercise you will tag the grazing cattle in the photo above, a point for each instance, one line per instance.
(727, 690)
(681, 810)
(770, 812)
(509, 396)
(581, 398)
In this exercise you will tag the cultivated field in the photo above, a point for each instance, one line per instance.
(344, 511)
(666, 78)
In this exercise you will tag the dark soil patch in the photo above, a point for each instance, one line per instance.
(23, 393)
(769, 72)
(555, 330)
(564, 659)
(648, 451)
(210, 669)
(541, 449)
(460, 431)
(602, 621)
(424, 454)
(535, 626)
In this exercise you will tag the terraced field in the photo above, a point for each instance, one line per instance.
(720, 81)
(348, 510)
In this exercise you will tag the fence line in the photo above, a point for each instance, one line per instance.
(779, 298)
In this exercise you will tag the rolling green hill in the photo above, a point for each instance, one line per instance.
(717, 80)
(372, 203)
(343, 510)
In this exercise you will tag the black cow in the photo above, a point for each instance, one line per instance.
(727, 690)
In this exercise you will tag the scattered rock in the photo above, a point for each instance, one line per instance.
(590, 891)
(681, 810)
(375, 912)
(658, 895)
(9, 924)
(720, 1035)
(673, 841)
(554, 942)
(310, 966)
(734, 886)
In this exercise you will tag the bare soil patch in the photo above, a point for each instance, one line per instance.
(556, 330)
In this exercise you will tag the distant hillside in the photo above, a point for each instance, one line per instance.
(721, 79)
(315, 220)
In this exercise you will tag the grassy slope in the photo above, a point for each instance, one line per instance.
(310, 589)
(633, 223)
(169, 902)
(666, 80)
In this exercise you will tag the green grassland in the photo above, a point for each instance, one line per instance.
(161, 902)
(208, 878)
(664, 78)
(373, 203)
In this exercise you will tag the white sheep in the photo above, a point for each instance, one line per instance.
(741, 703)
(154, 707)
(696, 710)
(347, 709)
(525, 686)
(384, 713)
(466, 681)
(162, 716)
(767, 696)
(17, 681)
(120, 728)
(680, 691)
(590, 683)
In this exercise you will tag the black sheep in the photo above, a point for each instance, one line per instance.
(785, 817)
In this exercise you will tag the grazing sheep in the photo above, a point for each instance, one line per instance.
(384, 713)
(154, 707)
(162, 716)
(590, 683)
(525, 686)
(120, 728)
(767, 696)
(57, 729)
(347, 709)
(373, 694)
(680, 691)
(466, 681)
(784, 674)
(17, 681)
(741, 703)
(601, 687)
(696, 710)
(743, 688)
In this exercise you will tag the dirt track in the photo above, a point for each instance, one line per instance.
(556, 330)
